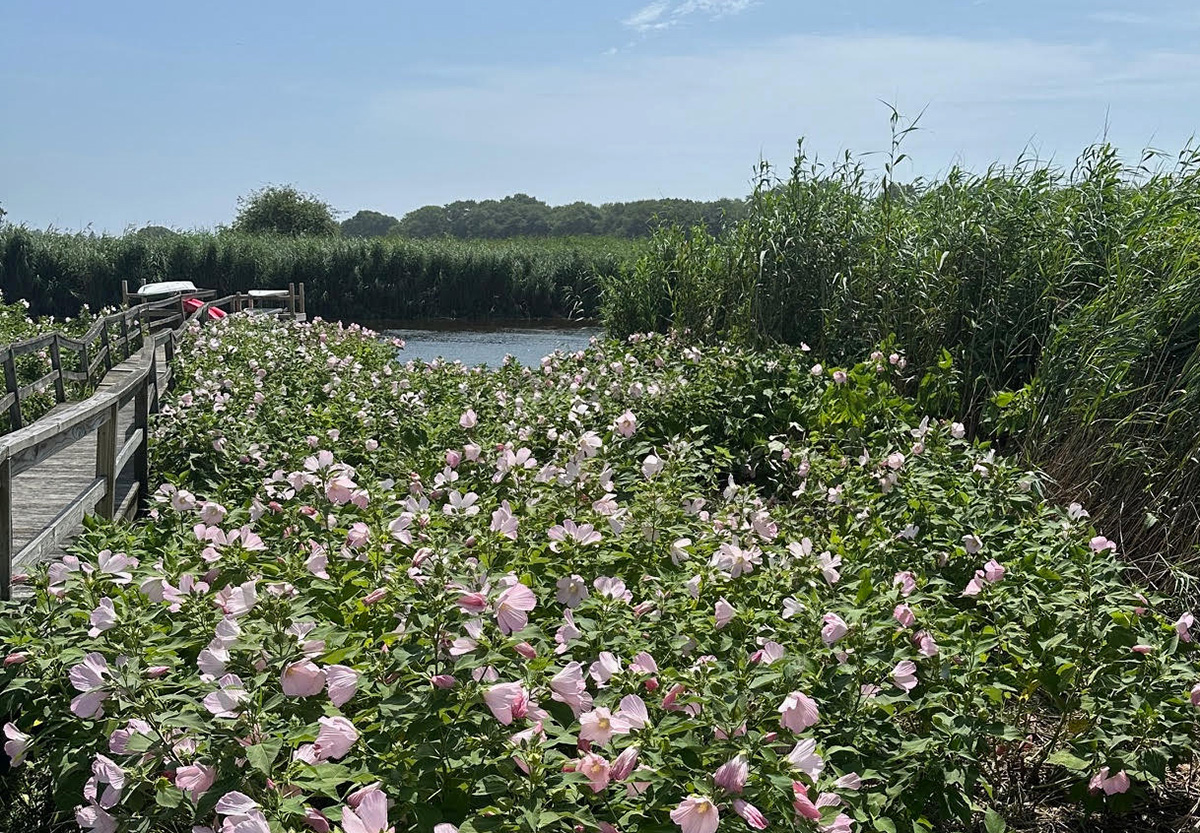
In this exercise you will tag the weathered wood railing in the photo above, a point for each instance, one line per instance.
(159, 323)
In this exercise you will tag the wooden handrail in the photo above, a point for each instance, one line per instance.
(29, 445)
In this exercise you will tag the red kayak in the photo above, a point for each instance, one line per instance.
(193, 304)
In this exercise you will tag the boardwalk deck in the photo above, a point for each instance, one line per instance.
(40, 493)
(92, 455)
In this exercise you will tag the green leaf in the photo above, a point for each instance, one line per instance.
(994, 822)
(166, 795)
(1066, 758)
(262, 755)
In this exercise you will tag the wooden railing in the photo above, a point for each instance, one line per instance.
(159, 323)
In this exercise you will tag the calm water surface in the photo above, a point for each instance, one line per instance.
(477, 343)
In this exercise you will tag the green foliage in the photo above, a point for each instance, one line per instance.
(521, 215)
(1064, 301)
(368, 224)
(283, 209)
(155, 233)
(354, 519)
(350, 278)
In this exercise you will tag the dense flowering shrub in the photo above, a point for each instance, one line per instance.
(648, 587)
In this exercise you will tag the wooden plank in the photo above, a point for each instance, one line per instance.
(60, 390)
(10, 383)
(101, 357)
(106, 458)
(129, 449)
(40, 385)
(63, 525)
(106, 347)
(129, 502)
(77, 412)
(95, 331)
(7, 400)
(72, 376)
(141, 421)
(124, 322)
(23, 348)
(27, 458)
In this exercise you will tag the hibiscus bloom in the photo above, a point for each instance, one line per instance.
(835, 628)
(732, 775)
(696, 814)
(1113, 785)
(904, 675)
(507, 701)
(513, 606)
(596, 770)
(369, 816)
(798, 711)
(16, 745)
(302, 679)
(599, 726)
(724, 613)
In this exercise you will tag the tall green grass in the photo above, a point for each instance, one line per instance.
(344, 277)
(1056, 310)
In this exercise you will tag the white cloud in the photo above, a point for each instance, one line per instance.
(649, 17)
(664, 14)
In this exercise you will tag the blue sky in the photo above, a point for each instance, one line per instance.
(123, 113)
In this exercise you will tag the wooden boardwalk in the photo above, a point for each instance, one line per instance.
(92, 456)
(40, 493)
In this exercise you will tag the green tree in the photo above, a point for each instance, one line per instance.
(284, 209)
(368, 224)
(578, 218)
(427, 221)
(155, 233)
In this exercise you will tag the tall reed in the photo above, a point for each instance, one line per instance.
(1059, 307)
(348, 278)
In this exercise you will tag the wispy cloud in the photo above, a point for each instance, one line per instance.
(663, 14)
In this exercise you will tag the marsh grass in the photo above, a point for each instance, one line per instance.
(1060, 307)
(344, 277)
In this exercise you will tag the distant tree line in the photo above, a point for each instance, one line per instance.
(524, 216)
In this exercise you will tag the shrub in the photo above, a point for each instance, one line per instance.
(646, 587)
(282, 209)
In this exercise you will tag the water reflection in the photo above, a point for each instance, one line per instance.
(475, 343)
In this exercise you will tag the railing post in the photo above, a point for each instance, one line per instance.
(10, 382)
(106, 462)
(153, 377)
(292, 299)
(104, 345)
(125, 334)
(86, 357)
(60, 390)
(303, 309)
(124, 293)
(141, 457)
(6, 528)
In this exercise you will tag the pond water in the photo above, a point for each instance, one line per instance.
(475, 343)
